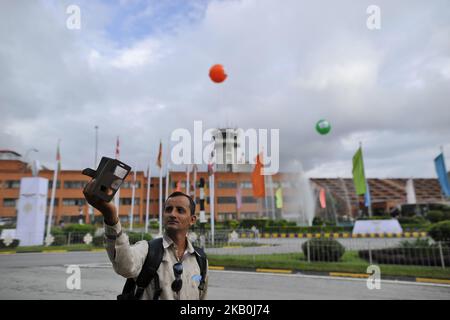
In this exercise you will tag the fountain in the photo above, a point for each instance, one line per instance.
(303, 205)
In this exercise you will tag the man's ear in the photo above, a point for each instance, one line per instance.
(193, 219)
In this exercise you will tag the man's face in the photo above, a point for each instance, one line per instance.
(177, 214)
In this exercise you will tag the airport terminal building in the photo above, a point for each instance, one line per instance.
(233, 194)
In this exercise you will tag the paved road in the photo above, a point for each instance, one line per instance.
(43, 276)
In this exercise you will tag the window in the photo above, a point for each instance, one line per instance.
(248, 200)
(9, 202)
(12, 184)
(129, 185)
(73, 184)
(55, 203)
(227, 216)
(50, 184)
(226, 185)
(224, 200)
(127, 201)
(74, 202)
(246, 185)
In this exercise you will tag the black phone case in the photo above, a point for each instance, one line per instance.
(108, 177)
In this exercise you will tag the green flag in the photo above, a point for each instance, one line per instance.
(279, 198)
(358, 173)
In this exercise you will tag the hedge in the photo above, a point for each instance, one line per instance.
(323, 250)
(440, 231)
(421, 256)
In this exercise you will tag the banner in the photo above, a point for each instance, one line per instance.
(441, 171)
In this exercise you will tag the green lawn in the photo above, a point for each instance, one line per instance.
(73, 247)
(350, 263)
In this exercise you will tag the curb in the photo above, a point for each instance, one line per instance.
(335, 235)
(332, 274)
(52, 251)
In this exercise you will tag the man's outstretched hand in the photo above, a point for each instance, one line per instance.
(107, 209)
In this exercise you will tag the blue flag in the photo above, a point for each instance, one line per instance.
(442, 174)
(367, 200)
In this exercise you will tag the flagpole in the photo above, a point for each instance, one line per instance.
(195, 181)
(133, 189)
(160, 200)
(369, 207)
(117, 196)
(272, 197)
(266, 204)
(168, 168)
(147, 205)
(52, 200)
(167, 179)
(187, 179)
(211, 203)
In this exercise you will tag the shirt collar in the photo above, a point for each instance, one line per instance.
(167, 242)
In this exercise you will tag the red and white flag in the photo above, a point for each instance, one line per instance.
(117, 149)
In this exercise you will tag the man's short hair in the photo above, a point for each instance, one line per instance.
(191, 201)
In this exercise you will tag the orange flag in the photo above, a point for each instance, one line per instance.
(259, 190)
(159, 161)
(322, 198)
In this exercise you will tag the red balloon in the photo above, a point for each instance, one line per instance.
(217, 73)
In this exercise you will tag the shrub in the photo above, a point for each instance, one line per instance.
(59, 240)
(98, 241)
(440, 231)
(79, 228)
(138, 236)
(435, 216)
(317, 221)
(376, 218)
(418, 243)
(416, 220)
(258, 223)
(323, 250)
(154, 225)
(56, 231)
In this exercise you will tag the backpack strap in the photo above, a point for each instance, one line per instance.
(200, 256)
(151, 265)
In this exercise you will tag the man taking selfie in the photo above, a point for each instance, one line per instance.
(167, 268)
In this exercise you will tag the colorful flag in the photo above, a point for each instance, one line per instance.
(367, 199)
(279, 198)
(211, 165)
(238, 196)
(159, 160)
(359, 178)
(322, 198)
(259, 189)
(58, 158)
(441, 171)
(117, 149)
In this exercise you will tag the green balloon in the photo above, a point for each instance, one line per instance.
(323, 127)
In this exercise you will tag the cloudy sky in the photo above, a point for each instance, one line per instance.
(139, 70)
